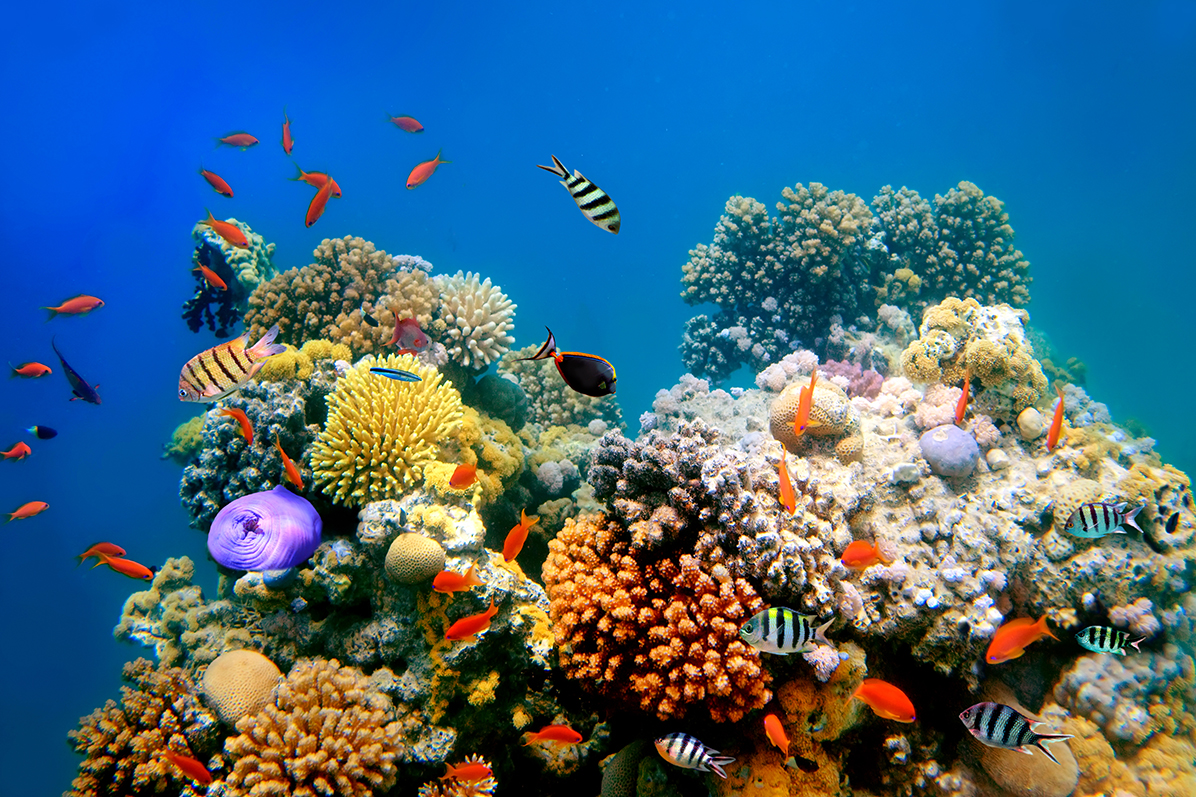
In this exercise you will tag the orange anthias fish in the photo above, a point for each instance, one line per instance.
(287, 141)
(886, 700)
(80, 305)
(805, 400)
(408, 336)
(27, 511)
(961, 407)
(463, 476)
(859, 555)
(189, 767)
(561, 734)
(126, 567)
(29, 370)
(776, 733)
(315, 208)
(316, 180)
(242, 140)
(406, 123)
(101, 548)
(228, 231)
(518, 535)
(18, 452)
(1056, 422)
(423, 171)
(788, 499)
(448, 582)
(292, 472)
(243, 419)
(1014, 636)
(467, 628)
(212, 277)
(217, 182)
(470, 770)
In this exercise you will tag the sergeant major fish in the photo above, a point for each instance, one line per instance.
(594, 203)
(998, 725)
(221, 370)
(783, 631)
(1099, 519)
(1102, 639)
(683, 750)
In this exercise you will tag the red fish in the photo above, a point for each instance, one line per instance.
(189, 767)
(463, 476)
(961, 406)
(408, 336)
(292, 472)
(470, 770)
(1056, 422)
(27, 510)
(518, 535)
(561, 734)
(316, 180)
(212, 277)
(243, 419)
(467, 628)
(287, 141)
(19, 451)
(423, 171)
(126, 567)
(776, 733)
(228, 231)
(805, 400)
(315, 208)
(1014, 636)
(242, 140)
(29, 370)
(860, 555)
(80, 305)
(448, 582)
(886, 700)
(217, 182)
(101, 548)
(406, 123)
(788, 499)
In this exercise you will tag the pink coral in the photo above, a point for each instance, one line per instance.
(938, 407)
(985, 431)
(824, 659)
(859, 382)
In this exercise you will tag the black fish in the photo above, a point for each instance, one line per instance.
(397, 374)
(588, 374)
(42, 432)
(366, 317)
(79, 387)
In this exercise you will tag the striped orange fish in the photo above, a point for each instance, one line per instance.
(213, 374)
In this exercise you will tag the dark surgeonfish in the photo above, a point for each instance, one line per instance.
(594, 203)
(79, 387)
(588, 374)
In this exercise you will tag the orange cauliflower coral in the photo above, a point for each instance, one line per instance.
(653, 630)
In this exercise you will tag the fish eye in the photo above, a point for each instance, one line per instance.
(182, 393)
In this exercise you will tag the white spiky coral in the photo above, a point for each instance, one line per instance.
(478, 319)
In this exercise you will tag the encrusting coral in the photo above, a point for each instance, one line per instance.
(185, 442)
(475, 319)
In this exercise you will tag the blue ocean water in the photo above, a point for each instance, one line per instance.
(1079, 116)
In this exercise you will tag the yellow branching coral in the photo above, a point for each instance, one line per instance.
(382, 432)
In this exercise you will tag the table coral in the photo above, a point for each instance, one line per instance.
(476, 317)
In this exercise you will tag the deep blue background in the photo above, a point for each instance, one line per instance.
(1078, 115)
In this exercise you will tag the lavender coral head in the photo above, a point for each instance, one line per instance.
(271, 530)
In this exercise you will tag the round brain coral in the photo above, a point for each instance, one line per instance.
(413, 558)
(239, 683)
(382, 432)
(478, 319)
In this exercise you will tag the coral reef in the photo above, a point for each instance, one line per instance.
(301, 363)
(242, 271)
(475, 319)
(832, 418)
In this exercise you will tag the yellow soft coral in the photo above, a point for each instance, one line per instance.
(186, 442)
(382, 432)
(321, 349)
(290, 364)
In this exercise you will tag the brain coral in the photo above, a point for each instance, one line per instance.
(413, 558)
(477, 318)
(831, 416)
(239, 683)
(382, 432)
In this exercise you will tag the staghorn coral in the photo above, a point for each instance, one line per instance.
(158, 711)
(550, 401)
(242, 270)
(475, 319)
(381, 432)
(326, 298)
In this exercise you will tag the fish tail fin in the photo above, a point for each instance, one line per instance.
(53, 313)
(298, 173)
(1128, 518)
(1049, 737)
(1135, 644)
(820, 633)
(438, 160)
(13, 374)
(11, 517)
(266, 347)
(718, 762)
(549, 347)
(1042, 626)
(556, 168)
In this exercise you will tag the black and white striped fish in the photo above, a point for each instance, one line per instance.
(593, 201)
(1103, 639)
(1100, 518)
(784, 631)
(683, 750)
(998, 725)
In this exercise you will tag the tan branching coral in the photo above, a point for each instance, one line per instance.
(123, 743)
(975, 228)
(550, 401)
(477, 319)
(327, 733)
(382, 432)
(651, 629)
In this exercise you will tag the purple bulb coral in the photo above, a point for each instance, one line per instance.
(271, 530)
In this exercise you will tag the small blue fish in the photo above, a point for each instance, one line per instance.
(79, 387)
(1099, 519)
(395, 373)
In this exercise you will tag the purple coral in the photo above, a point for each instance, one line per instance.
(271, 530)
(860, 382)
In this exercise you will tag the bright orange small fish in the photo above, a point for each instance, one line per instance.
(287, 141)
(292, 472)
(805, 400)
(518, 535)
(776, 733)
(228, 231)
(859, 555)
(212, 277)
(29, 370)
(316, 180)
(423, 171)
(189, 767)
(448, 582)
(1014, 636)
(406, 123)
(27, 511)
(470, 770)
(886, 700)
(242, 140)
(1056, 423)
(463, 476)
(217, 182)
(243, 419)
(788, 499)
(80, 305)
(126, 567)
(18, 452)
(315, 208)
(561, 734)
(961, 407)
(105, 548)
(467, 628)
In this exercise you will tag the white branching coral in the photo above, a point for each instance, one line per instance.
(478, 319)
